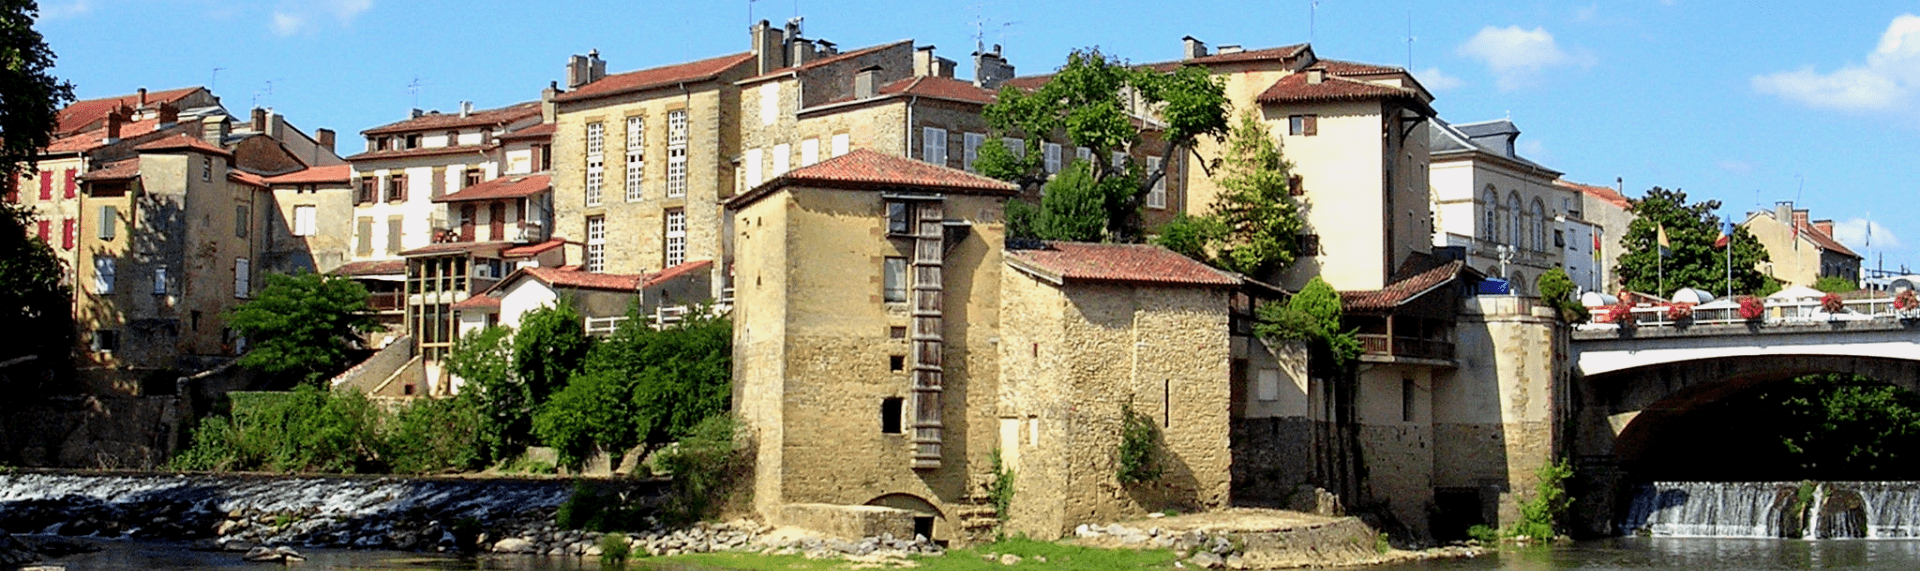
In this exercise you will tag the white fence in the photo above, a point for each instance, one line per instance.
(1720, 312)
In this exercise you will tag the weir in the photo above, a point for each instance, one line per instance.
(1794, 510)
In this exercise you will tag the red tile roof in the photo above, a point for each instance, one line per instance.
(117, 170)
(451, 247)
(1338, 67)
(421, 152)
(532, 249)
(829, 60)
(441, 121)
(96, 138)
(1295, 89)
(1264, 54)
(247, 178)
(84, 114)
(556, 277)
(656, 77)
(1824, 241)
(482, 302)
(372, 268)
(503, 187)
(1130, 263)
(866, 169)
(340, 173)
(1411, 283)
(1604, 193)
(179, 142)
(677, 272)
(940, 88)
(537, 131)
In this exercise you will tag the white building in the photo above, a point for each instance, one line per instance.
(1503, 209)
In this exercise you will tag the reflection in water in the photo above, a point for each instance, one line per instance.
(1663, 554)
(142, 556)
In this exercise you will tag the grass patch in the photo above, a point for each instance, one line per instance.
(1058, 557)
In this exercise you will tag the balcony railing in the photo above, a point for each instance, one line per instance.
(386, 301)
(1413, 347)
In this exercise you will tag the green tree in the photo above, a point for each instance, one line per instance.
(1314, 315)
(1847, 426)
(1557, 291)
(30, 97)
(642, 386)
(548, 349)
(1254, 226)
(34, 303)
(304, 324)
(484, 359)
(1691, 231)
(1096, 102)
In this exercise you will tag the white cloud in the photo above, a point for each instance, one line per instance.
(1736, 166)
(1437, 80)
(295, 17)
(1853, 233)
(1888, 81)
(1517, 56)
(1532, 149)
(57, 10)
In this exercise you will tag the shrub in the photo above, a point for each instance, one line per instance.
(1139, 444)
(435, 435)
(1540, 516)
(1000, 491)
(1558, 291)
(614, 549)
(704, 466)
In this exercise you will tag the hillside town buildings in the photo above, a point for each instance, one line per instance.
(1800, 251)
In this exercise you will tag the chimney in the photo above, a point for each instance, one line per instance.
(213, 130)
(923, 61)
(801, 51)
(1193, 48)
(1800, 218)
(143, 98)
(549, 110)
(466, 109)
(826, 48)
(415, 113)
(113, 127)
(169, 114)
(585, 69)
(1316, 76)
(866, 83)
(1783, 211)
(768, 47)
(1229, 49)
(1824, 226)
(990, 69)
(596, 67)
(324, 137)
(943, 67)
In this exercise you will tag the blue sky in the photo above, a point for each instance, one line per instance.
(1748, 102)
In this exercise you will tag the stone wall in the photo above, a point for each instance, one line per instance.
(1494, 417)
(136, 433)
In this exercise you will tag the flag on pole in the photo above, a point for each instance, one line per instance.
(1596, 246)
(1666, 248)
(1726, 235)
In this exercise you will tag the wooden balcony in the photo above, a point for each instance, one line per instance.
(1379, 345)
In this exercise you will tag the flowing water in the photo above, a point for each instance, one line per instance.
(1805, 510)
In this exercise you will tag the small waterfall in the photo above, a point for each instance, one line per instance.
(1834, 510)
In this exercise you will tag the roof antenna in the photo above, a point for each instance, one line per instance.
(1410, 38)
(750, 12)
(413, 89)
(1313, 11)
(211, 84)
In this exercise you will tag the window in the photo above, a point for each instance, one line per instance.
(1119, 160)
(46, 185)
(782, 158)
(1407, 399)
(1296, 185)
(1017, 147)
(895, 278)
(933, 145)
(809, 152)
(1303, 125)
(596, 244)
(397, 187)
(900, 219)
(242, 278)
(363, 236)
(1515, 226)
(1052, 151)
(70, 183)
(240, 221)
(160, 280)
(971, 149)
(676, 153)
(596, 161)
(368, 188)
(890, 415)
(453, 138)
(841, 144)
(1083, 153)
(473, 176)
(1309, 244)
(1539, 225)
(897, 363)
(109, 219)
(395, 233)
(636, 157)
(1267, 387)
(675, 221)
(752, 162)
(1489, 214)
(46, 232)
(546, 156)
(68, 232)
(103, 275)
(106, 340)
(1156, 196)
(206, 168)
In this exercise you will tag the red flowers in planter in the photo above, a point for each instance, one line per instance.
(1621, 314)
(1830, 303)
(1751, 308)
(1906, 300)
(1679, 311)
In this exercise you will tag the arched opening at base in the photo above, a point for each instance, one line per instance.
(1825, 427)
(925, 514)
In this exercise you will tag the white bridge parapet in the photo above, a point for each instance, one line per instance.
(1605, 348)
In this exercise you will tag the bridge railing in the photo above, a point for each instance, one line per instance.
(1777, 311)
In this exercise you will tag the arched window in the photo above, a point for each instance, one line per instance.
(1516, 227)
(1539, 225)
(1489, 215)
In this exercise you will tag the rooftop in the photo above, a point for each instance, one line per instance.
(631, 81)
(81, 115)
(340, 173)
(1061, 262)
(437, 121)
(1415, 278)
(503, 187)
(867, 169)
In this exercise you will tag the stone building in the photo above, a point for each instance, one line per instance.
(1609, 213)
(1501, 208)
(877, 372)
(312, 227)
(1801, 251)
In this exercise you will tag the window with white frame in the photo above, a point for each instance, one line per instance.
(596, 161)
(1083, 153)
(304, 220)
(809, 152)
(160, 280)
(675, 222)
(103, 275)
(782, 158)
(1119, 159)
(894, 280)
(109, 220)
(841, 144)
(1157, 196)
(971, 151)
(1016, 147)
(596, 244)
(242, 278)
(933, 145)
(1052, 151)
(636, 157)
(751, 163)
(677, 153)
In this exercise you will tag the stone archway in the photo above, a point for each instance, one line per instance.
(928, 520)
